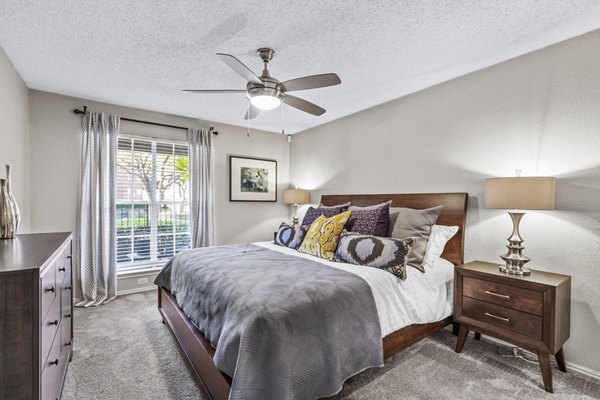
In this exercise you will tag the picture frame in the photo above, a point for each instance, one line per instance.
(252, 179)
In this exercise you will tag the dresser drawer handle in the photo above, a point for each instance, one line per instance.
(55, 322)
(52, 289)
(498, 295)
(62, 269)
(67, 315)
(55, 362)
(68, 344)
(69, 257)
(68, 288)
(497, 317)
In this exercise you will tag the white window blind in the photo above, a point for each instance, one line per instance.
(153, 208)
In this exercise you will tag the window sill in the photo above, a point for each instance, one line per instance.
(140, 270)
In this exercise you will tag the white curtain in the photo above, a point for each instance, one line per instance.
(97, 274)
(201, 186)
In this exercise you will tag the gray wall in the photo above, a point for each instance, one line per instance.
(539, 112)
(55, 157)
(14, 135)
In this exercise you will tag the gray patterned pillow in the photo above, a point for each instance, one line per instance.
(290, 236)
(388, 254)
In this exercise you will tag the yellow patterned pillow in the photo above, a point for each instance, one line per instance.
(322, 237)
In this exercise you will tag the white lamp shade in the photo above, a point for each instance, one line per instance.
(295, 196)
(522, 193)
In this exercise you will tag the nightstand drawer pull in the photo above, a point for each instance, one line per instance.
(497, 295)
(497, 317)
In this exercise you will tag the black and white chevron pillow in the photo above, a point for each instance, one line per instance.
(290, 236)
(373, 251)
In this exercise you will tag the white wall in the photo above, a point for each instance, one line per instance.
(14, 135)
(55, 157)
(539, 112)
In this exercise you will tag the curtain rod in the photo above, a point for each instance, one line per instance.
(77, 111)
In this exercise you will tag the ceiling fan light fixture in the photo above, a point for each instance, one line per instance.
(265, 102)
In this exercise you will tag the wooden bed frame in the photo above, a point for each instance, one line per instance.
(198, 351)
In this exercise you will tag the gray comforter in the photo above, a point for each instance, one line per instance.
(282, 327)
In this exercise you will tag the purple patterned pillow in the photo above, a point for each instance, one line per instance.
(371, 220)
(314, 213)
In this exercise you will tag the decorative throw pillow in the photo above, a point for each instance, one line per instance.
(440, 235)
(371, 220)
(313, 213)
(384, 253)
(290, 236)
(322, 237)
(412, 223)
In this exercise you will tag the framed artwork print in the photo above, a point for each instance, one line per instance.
(252, 179)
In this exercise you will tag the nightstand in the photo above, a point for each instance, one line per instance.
(532, 312)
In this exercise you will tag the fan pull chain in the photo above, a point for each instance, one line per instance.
(282, 129)
(248, 120)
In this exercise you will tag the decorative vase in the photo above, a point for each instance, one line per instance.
(9, 210)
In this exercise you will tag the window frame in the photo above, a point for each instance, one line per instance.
(154, 209)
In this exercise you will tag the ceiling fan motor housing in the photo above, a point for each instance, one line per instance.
(270, 87)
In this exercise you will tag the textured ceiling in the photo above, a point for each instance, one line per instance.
(142, 53)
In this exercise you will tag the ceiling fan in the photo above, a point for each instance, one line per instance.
(266, 92)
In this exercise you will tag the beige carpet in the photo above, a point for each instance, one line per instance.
(124, 352)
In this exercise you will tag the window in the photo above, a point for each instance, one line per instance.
(153, 208)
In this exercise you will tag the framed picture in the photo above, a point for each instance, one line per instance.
(252, 179)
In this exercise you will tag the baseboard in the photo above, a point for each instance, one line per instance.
(583, 370)
(570, 366)
(135, 290)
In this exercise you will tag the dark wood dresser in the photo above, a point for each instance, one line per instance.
(532, 312)
(36, 319)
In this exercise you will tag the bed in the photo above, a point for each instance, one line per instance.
(199, 353)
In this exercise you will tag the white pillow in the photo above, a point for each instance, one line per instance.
(440, 234)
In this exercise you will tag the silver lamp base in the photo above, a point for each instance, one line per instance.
(514, 258)
(295, 218)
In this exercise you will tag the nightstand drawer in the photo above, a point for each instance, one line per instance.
(525, 300)
(503, 317)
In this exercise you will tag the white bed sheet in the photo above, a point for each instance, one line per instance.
(421, 298)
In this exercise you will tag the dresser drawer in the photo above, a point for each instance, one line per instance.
(525, 300)
(66, 310)
(48, 289)
(503, 317)
(66, 289)
(49, 328)
(66, 334)
(52, 374)
(63, 264)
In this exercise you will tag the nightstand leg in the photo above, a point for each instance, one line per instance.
(544, 359)
(477, 336)
(455, 326)
(560, 360)
(463, 331)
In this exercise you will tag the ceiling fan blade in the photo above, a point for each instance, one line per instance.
(303, 105)
(240, 68)
(252, 112)
(311, 82)
(213, 91)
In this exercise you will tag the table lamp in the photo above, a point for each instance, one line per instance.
(295, 197)
(517, 194)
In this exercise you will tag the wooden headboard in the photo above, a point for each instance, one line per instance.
(453, 213)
